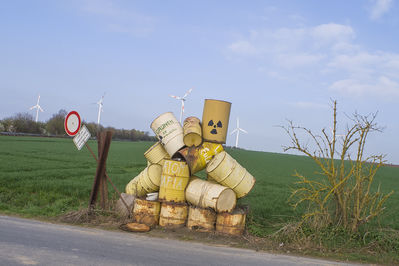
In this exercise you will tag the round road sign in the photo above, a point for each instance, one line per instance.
(72, 123)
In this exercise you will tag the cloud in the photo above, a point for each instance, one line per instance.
(242, 47)
(383, 87)
(379, 8)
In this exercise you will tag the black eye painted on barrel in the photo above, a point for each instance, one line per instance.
(210, 123)
(220, 124)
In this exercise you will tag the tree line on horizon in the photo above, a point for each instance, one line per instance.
(25, 123)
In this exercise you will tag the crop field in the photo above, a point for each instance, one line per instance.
(46, 177)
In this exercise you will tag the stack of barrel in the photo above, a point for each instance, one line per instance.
(183, 198)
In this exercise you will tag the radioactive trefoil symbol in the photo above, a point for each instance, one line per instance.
(212, 124)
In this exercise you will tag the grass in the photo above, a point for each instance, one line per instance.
(47, 177)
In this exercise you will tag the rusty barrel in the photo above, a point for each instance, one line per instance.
(156, 154)
(232, 223)
(198, 157)
(215, 120)
(173, 215)
(174, 180)
(169, 132)
(146, 212)
(228, 172)
(192, 132)
(207, 194)
(201, 219)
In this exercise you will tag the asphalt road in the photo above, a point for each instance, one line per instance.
(29, 242)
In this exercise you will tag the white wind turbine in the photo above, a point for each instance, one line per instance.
(100, 108)
(182, 99)
(238, 129)
(38, 107)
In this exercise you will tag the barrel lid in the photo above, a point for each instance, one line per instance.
(215, 161)
(217, 100)
(226, 201)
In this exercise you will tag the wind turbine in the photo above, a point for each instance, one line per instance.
(100, 108)
(182, 99)
(38, 107)
(238, 129)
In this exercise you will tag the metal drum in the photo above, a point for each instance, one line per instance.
(169, 132)
(215, 120)
(228, 172)
(156, 154)
(207, 194)
(198, 157)
(200, 219)
(231, 223)
(146, 212)
(173, 215)
(192, 131)
(174, 179)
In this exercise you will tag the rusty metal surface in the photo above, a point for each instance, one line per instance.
(200, 219)
(146, 212)
(198, 157)
(231, 223)
(173, 215)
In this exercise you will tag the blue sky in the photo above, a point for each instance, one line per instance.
(274, 60)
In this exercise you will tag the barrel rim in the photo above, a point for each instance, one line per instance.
(216, 100)
(162, 115)
(222, 153)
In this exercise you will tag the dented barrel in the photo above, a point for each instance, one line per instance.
(198, 157)
(174, 179)
(146, 212)
(215, 120)
(228, 172)
(232, 223)
(192, 131)
(169, 132)
(201, 219)
(173, 215)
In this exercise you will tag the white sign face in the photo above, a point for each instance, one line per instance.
(72, 123)
(82, 137)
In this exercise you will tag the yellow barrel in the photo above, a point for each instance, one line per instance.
(228, 172)
(173, 215)
(150, 178)
(174, 179)
(215, 120)
(156, 154)
(207, 194)
(231, 223)
(200, 219)
(169, 132)
(134, 188)
(198, 157)
(146, 212)
(192, 131)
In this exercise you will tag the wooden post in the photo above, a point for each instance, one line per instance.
(104, 144)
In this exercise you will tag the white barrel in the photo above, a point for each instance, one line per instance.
(169, 132)
(207, 194)
(228, 172)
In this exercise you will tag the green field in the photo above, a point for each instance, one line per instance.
(46, 177)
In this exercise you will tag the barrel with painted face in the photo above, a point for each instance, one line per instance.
(174, 179)
(156, 154)
(228, 172)
(169, 132)
(215, 120)
(198, 157)
(192, 131)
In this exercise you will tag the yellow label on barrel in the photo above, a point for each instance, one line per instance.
(174, 179)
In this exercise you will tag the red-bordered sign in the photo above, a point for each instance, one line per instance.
(72, 123)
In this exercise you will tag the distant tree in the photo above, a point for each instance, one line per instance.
(2, 128)
(24, 123)
(55, 125)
